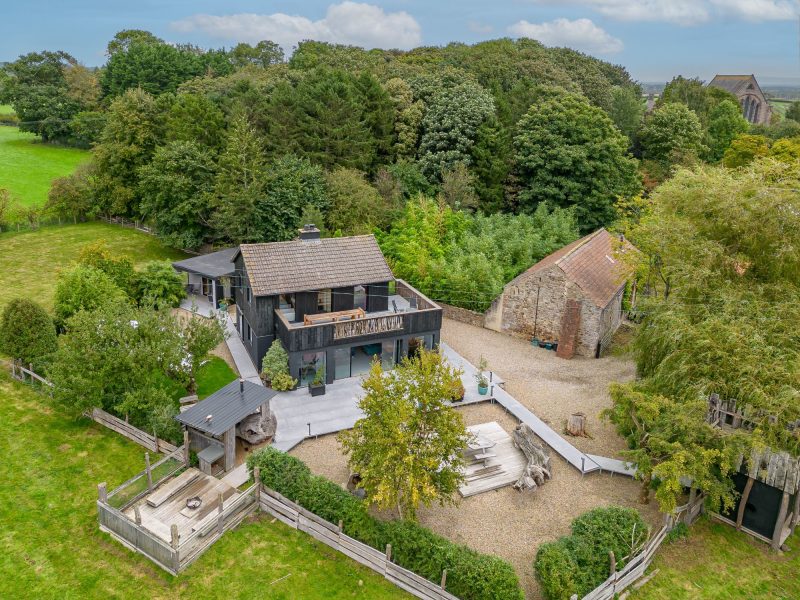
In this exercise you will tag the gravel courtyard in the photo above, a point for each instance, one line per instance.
(504, 522)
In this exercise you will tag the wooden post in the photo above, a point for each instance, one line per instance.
(444, 578)
(137, 515)
(612, 563)
(745, 495)
(220, 516)
(388, 553)
(780, 522)
(149, 473)
(257, 478)
(174, 538)
(796, 514)
(102, 494)
(185, 447)
(341, 526)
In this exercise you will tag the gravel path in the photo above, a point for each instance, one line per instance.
(504, 522)
(551, 387)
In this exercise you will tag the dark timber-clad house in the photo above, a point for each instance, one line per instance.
(332, 302)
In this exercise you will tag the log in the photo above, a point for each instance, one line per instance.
(576, 425)
(538, 468)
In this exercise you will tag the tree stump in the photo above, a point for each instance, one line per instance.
(576, 425)
(538, 468)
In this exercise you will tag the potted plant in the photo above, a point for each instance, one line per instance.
(483, 383)
(317, 387)
(457, 390)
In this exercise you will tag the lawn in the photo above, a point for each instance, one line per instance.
(51, 546)
(30, 260)
(717, 562)
(780, 106)
(6, 109)
(27, 167)
(213, 375)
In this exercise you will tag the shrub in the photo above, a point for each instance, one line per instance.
(579, 563)
(159, 285)
(283, 382)
(27, 332)
(276, 362)
(84, 288)
(470, 575)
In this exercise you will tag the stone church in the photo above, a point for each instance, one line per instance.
(755, 107)
(573, 296)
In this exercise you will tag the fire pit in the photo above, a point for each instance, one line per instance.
(194, 502)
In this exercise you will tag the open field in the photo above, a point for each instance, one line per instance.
(27, 167)
(30, 260)
(717, 562)
(52, 548)
(780, 106)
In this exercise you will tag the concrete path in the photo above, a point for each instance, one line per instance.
(244, 364)
(198, 304)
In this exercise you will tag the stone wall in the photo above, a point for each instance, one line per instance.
(462, 314)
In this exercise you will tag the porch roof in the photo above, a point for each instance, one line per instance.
(214, 265)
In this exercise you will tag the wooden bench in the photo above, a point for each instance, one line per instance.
(165, 492)
(156, 527)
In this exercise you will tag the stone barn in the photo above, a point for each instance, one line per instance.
(755, 107)
(572, 297)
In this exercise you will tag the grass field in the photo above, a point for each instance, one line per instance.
(51, 546)
(5, 109)
(780, 106)
(30, 261)
(213, 375)
(27, 167)
(717, 562)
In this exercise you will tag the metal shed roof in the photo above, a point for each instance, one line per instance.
(227, 407)
(214, 265)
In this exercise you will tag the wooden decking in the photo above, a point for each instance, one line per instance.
(159, 519)
(494, 472)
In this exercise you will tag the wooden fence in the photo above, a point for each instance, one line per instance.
(148, 440)
(636, 566)
(297, 517)
(27, 375)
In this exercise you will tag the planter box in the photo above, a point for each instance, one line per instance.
(316, 390)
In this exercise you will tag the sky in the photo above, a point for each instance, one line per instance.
(654, 39)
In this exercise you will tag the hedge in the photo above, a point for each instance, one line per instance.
(470, 575)
(578, 563)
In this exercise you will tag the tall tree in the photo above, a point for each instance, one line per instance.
(569, 153)
(355, 206)
(195, 118)
(627, 110)
(27, 333)
(263, 54)
(407, 447)
(725, 123)
(671, 134)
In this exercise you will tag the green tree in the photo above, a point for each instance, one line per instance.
(627, 109)
(696, 96)
(355, 206)
(458, 189)
(27, 333)
(407, 117)
(407, 447)
(453, 117)
(72, 196)
(176, 188)
(263, 54)
(569, 153)
(725, 123)
(200, 336)
(793, 112)
(158, 285)
(275, 363)
(84, 288)
(671, 135)
(195, 118)
(99, 256)
(744, 149)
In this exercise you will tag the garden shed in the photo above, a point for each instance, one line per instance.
(213, 423)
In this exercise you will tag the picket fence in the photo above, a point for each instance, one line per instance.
(297, 517)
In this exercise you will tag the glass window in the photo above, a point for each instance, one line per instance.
(341, 359)
(387, 355)
(324, 301)
(249, 294)
(360, 297)
(310, 363)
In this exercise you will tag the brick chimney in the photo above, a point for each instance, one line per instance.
(309, 233)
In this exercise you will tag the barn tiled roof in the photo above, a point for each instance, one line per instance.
(304, 265)
(590, 262)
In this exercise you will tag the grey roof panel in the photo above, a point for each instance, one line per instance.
(227, 407)
(304, 265)
(214, 265)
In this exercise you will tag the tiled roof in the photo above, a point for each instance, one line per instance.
(304, 265)
(591, 263)
(735, 84)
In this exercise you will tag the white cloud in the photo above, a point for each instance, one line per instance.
(354, 23)
(758, 10)
(478, 27)
(688, 12)
(580, 34)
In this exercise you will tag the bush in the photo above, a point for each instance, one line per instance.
(275, 363)
(159, 285)
(283, 382)
(579, 563)
(84, 288)
(27, 332)
(470, 575)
